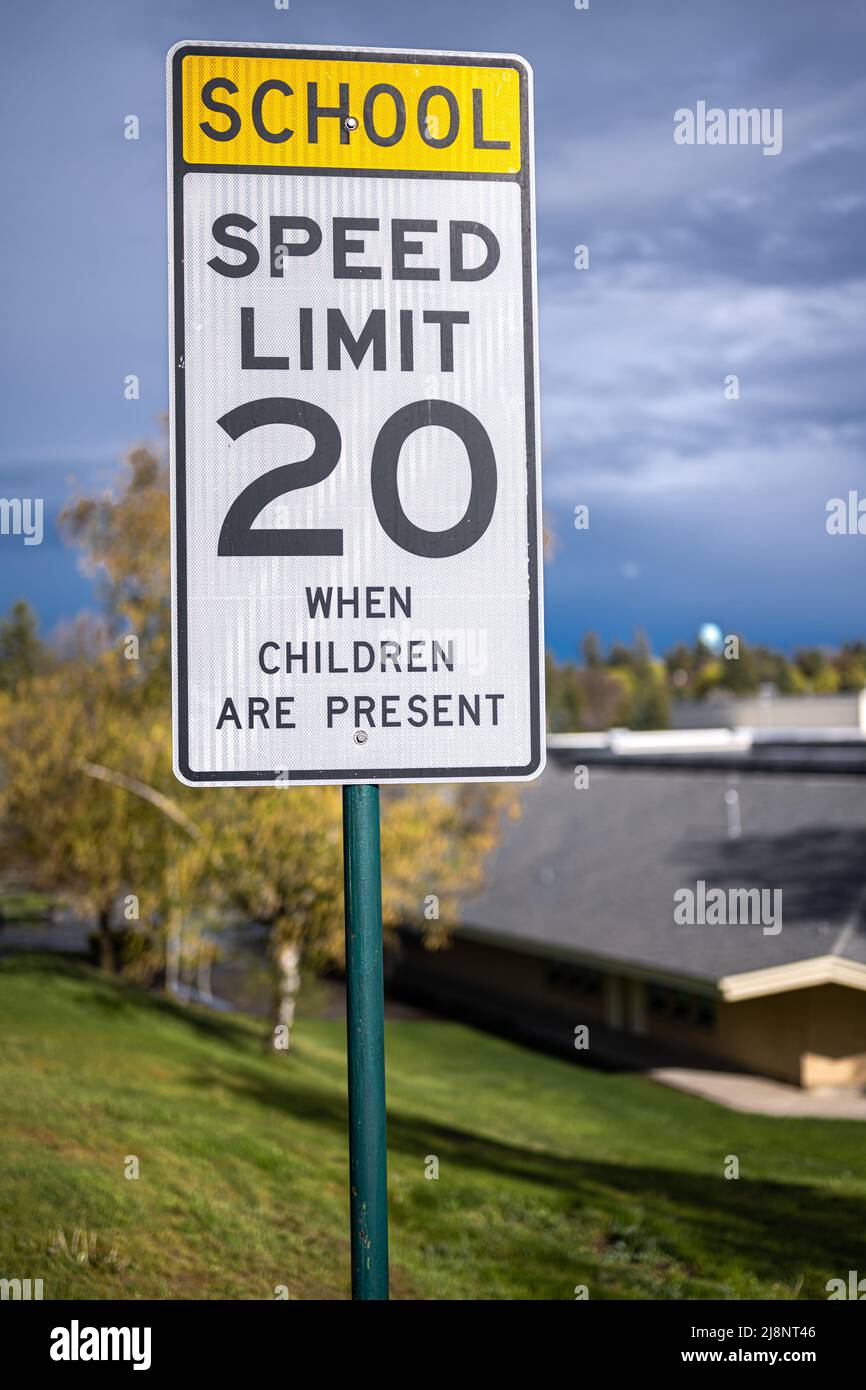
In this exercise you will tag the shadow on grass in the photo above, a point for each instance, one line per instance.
(118, 998)
(774, 1230)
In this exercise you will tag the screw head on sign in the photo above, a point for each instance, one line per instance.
(351, 122)
(360, 736)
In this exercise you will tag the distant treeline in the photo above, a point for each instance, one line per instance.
(628, 687)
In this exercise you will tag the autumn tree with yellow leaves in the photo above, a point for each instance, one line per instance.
(90, 806)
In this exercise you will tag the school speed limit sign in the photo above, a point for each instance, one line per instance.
(356, 530)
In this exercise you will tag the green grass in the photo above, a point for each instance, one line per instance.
(550, 1174)
(24, 907)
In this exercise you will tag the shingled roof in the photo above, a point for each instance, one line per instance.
(591, 874)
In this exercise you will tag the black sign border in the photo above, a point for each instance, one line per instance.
(178, 171)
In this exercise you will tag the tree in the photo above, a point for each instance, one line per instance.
(125, 539)
(605, 699)
(851, 666)
(564, 696)
(280, 852)
(69, 833)
(591, 650)
(271, 854)
(820, 672)
(21, 652)
(177, 884)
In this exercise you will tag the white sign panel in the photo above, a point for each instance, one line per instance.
(356, 530)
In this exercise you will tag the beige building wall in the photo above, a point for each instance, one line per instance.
(765, 1035)
(810, 1037)
(835, 1049)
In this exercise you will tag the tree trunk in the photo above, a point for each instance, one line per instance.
(286, 958)
(107, 958)
(203, 978)
(172, 953)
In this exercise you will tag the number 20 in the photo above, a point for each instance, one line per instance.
(237, 536)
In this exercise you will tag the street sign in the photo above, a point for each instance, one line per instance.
(355, 500)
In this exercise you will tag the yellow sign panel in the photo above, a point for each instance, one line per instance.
(338, 113)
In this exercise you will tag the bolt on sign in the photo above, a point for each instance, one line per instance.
(356, 530)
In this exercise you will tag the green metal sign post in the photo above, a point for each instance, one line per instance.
(235, 581)
(365, 1019)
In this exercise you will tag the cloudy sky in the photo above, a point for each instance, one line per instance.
(705, 261)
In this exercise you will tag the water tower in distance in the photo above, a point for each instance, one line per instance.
(710, 635)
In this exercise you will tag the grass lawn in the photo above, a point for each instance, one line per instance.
(24, 906)
(550, 1174)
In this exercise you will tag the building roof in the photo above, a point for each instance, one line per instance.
(591, 874)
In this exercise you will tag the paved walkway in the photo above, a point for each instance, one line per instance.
(66, 935)
(758, 1096)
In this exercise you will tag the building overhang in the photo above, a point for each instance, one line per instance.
(799, 974)
(748, 984)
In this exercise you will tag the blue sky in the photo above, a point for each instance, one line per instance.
(704, 261)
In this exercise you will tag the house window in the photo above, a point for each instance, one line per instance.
(705, 1014)
(573, 979)
(677, 1006)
